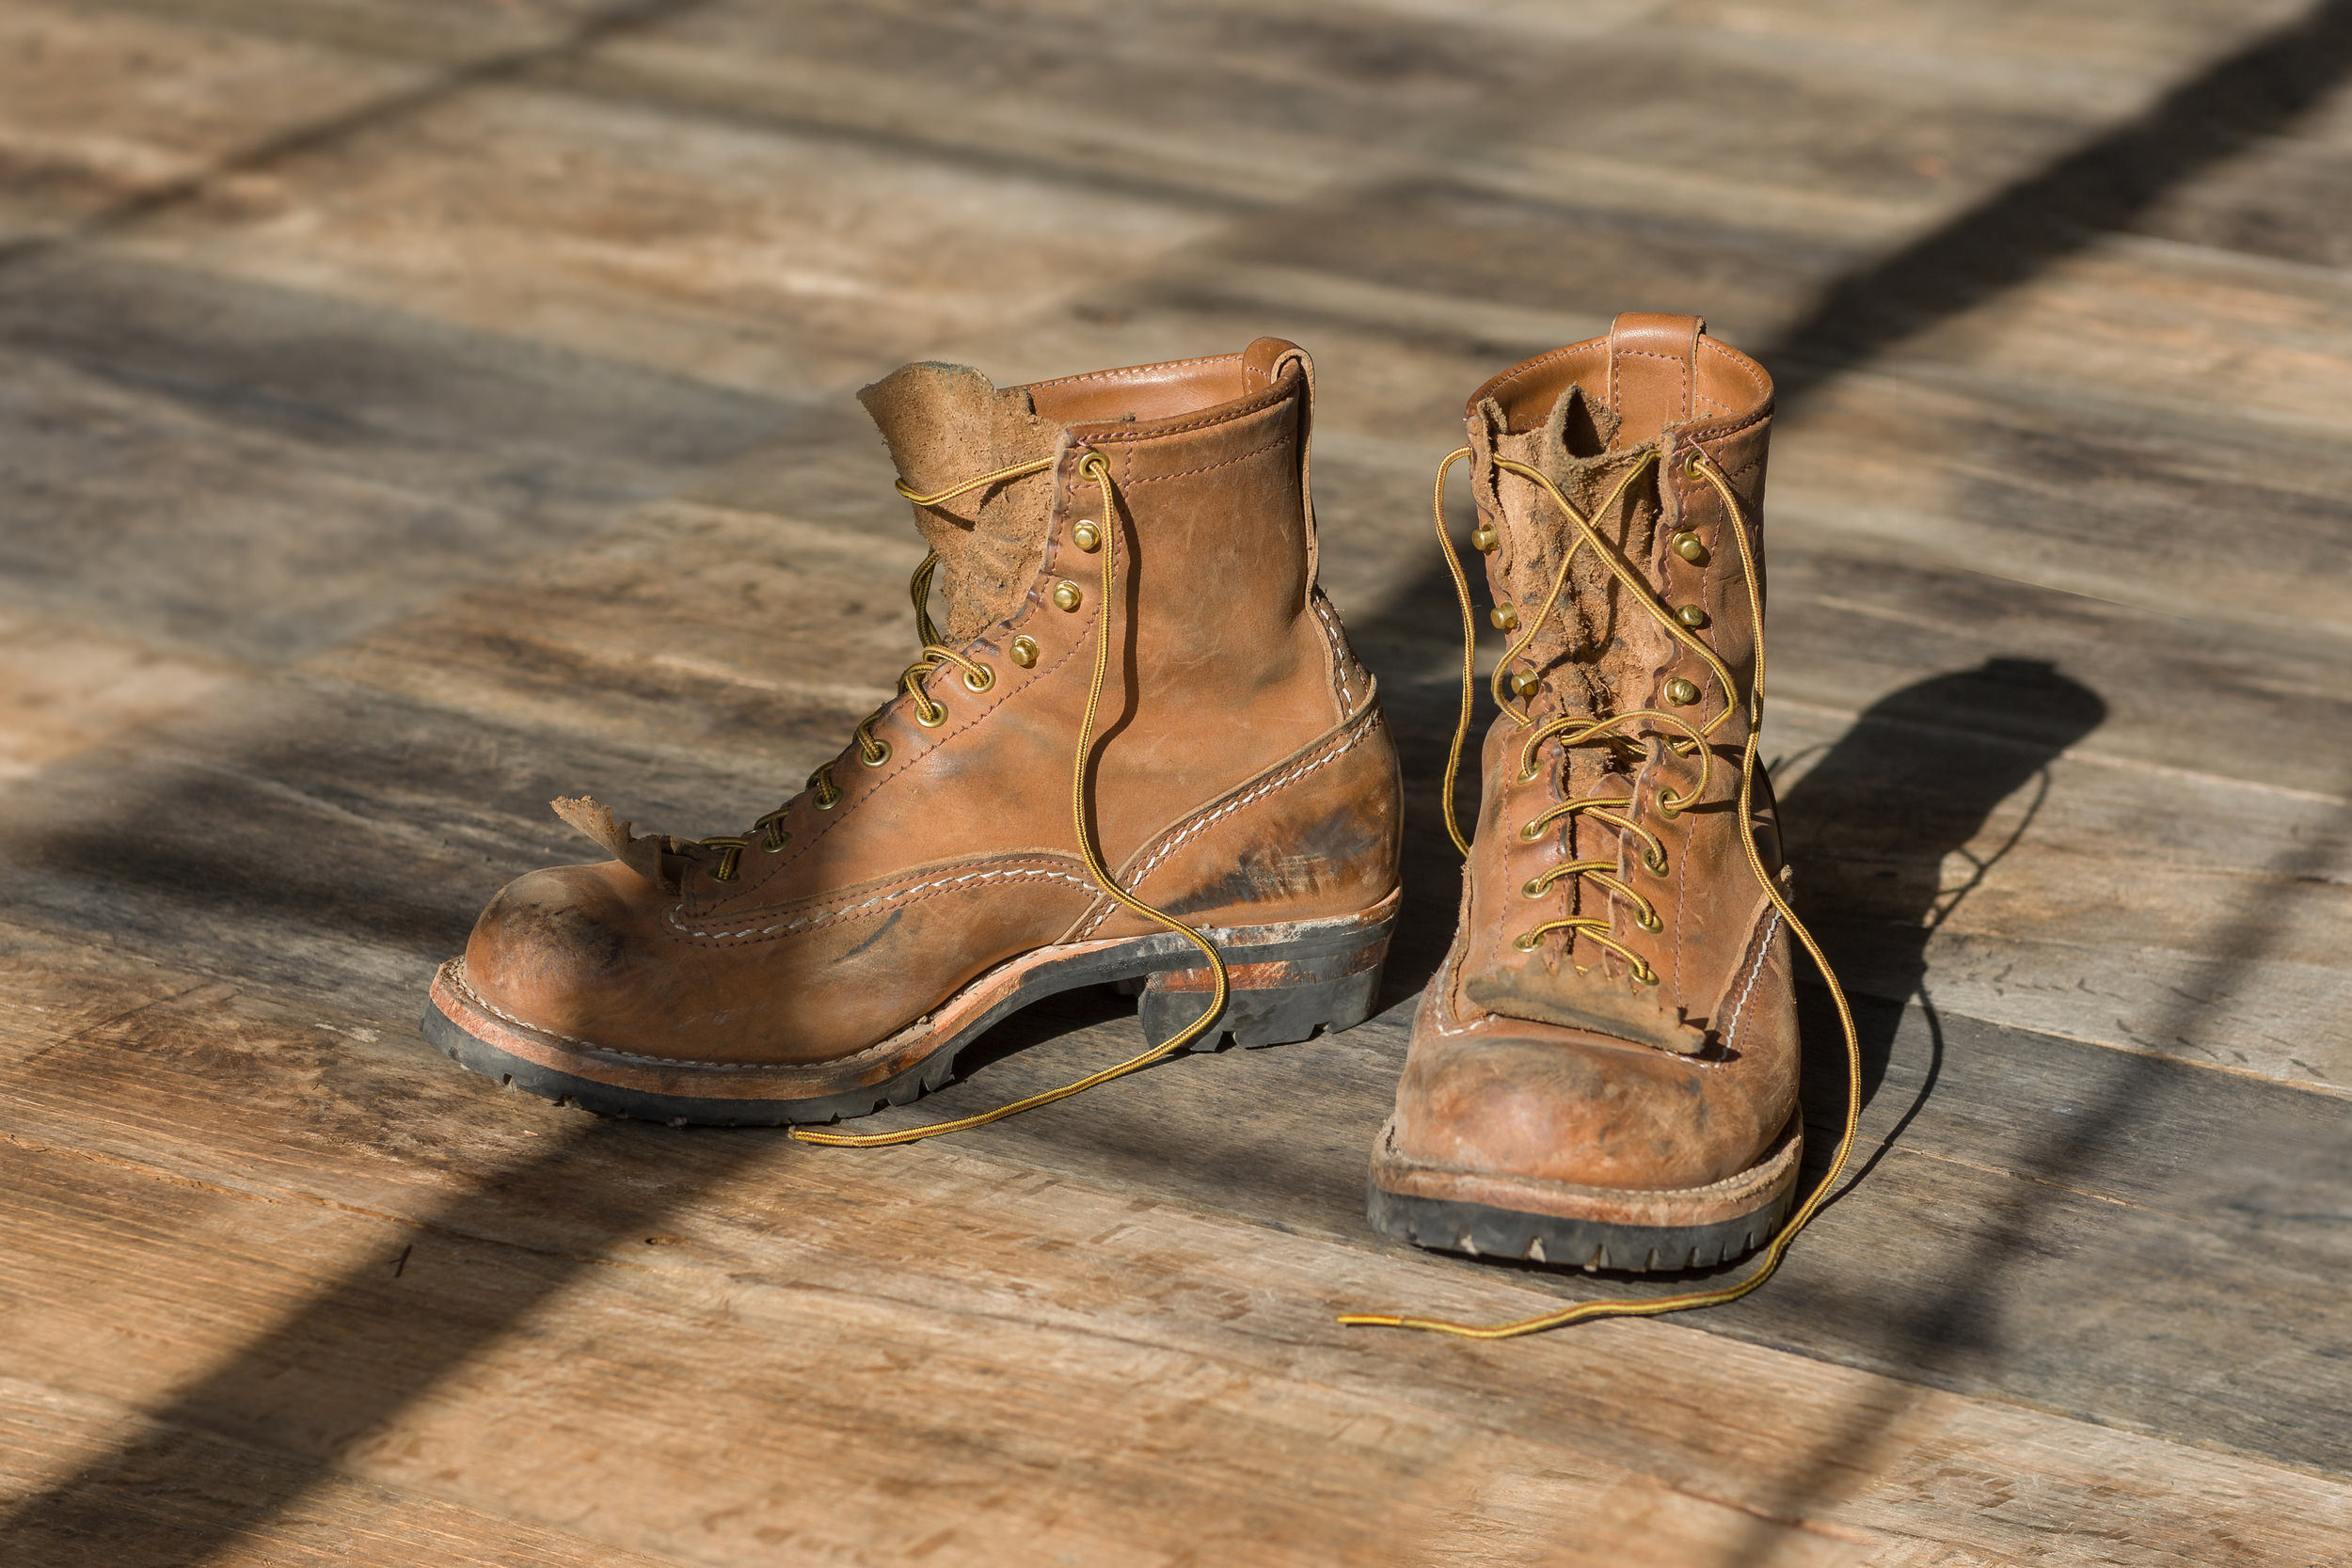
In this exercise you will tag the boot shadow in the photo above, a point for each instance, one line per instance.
(1872, 827)
(1869, 827)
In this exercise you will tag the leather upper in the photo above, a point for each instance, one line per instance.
(1559, 1062)
(1243, 773)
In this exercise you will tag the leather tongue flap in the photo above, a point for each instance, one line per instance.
(640, 855)
(1613, 1004)
(947, 423)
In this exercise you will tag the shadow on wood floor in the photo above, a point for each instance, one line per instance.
(627, 1178)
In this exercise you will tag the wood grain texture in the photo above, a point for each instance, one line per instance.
(576, 1276)
(412, 409)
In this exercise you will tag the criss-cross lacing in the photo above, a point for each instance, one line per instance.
(872, 750)
(1622, 814)
(1094, 469)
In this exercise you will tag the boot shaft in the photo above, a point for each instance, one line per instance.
(1587, 416)
(1225, 659)
(1216, 541)
(1625, 427)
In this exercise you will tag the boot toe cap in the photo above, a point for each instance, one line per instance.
(1558, 1106)
(563, 949)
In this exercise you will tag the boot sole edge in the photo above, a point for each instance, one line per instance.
(1534, 1220)
(1312, 976)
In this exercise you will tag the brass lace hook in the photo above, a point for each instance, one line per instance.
(1735, 519)
(1094, 468)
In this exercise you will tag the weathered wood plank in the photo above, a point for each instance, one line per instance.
(177, 100)
(181, 1487)
(243, 471)
(889, 1409)
(2040, 1181)
(64, 687)
(432, 338)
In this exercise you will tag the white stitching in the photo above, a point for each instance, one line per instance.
(1763, 951)
(823, 916)
(1198, 824)
(488, 1006)
(1340, 661)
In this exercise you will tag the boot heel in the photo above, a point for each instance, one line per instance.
(1270, 1003)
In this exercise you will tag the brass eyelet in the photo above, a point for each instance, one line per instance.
(1485, 540)
(1532, 887)
(1529, 775)
(932, 717)
(1066, 595)
(1527, 943)
(1691, 616)
(1025, 652)
(1533, 831)
(1648, 975)
(1647, 920)
(1526, 684)
(1085, 535)
(1669, 804)
(880, 756)
(1682, 692)
(1654, 862)
(1503, 617)
(826, 802)
(1690, 546)
(729, 853)
(979, 678)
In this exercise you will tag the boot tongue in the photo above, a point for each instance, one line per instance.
(1597, 655)
(947, 423)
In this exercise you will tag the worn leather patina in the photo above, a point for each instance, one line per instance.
(1244, 774)
(1549, 1071)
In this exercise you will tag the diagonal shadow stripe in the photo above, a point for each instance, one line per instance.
(1995, 244)
(611, 1172)
(597, 28)
(2020, 231)
(362, 1350)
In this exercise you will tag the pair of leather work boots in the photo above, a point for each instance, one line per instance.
(1137, 748)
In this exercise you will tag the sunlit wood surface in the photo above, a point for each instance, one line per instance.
(413, 409)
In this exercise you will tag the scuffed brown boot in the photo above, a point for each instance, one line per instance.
(1604, 1073)
(1139, 712)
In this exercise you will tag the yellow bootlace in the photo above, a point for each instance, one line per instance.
(1092, 466)
(1576, 731)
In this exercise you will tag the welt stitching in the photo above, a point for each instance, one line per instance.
(1186, 473)
(1129, 372)
(1526, 370)
(1759, 416)
(1645, 354)
(1199, 824)
(1259, 404)
(489, 1007)
(1763, 951)
(1738, 362)
(856, 911)
(1338, 651)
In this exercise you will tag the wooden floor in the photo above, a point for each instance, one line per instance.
(413, 409)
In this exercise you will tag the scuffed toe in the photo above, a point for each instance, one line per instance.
(566, 950)
(1575, 1109)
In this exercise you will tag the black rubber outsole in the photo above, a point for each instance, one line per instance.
(1477, 1230)
(1295, 1012)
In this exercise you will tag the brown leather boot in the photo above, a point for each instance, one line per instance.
(1135, 662)
(1604, 1073)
